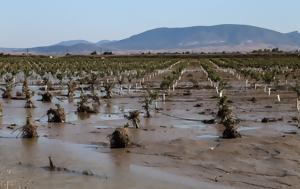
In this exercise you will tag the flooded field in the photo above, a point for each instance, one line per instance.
(181, 145)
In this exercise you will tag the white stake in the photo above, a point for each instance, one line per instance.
(278, 98)
(269, 91)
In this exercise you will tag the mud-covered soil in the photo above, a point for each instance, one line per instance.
(173, 149)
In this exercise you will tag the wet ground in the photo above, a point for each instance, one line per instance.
(173, 149)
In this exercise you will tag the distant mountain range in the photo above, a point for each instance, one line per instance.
(228, 37)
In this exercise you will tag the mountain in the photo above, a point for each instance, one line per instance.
(207, 37)
(102, 42)
(80, 48)
(72, 42)
(227, 37)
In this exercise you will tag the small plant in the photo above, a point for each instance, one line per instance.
(224, 110)
(86, 106)
(71, 88)
(7, 92)
(47, 97)
(28, 94)
(108, 86)
(230, 131)
(25, 87)
(134, 118)
(119, 138)
(29, 130)
(47, 83)
(148, 100)
(226, 118)
(56, 115)
(92, 81)
(268, 77)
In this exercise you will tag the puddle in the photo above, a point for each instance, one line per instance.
(108, 117)
(102, 127)
(182, 182)
(208, 137)
(248, 128)
(189, 126)
(9, 134)
(115, 168)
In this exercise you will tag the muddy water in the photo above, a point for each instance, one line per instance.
(23, 162)
(81, 144)
(70, 146)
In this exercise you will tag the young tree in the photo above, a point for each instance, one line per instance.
(134, 118)
(56, 115)
(148, 100)
(108, 86)
(226, 118)
(29, 130)
(7, 92)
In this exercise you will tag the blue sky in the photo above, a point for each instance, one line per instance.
(27, 23)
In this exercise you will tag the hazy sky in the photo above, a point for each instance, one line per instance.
(27, 23)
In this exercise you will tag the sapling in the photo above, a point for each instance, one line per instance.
(134, 118)
(129, 78)
(108, 86)
(71, 88)
(92, 81)
(286, 76)
(25, 86)
(268, 77)
(121, 82)
(29, 130)
(7, 92)
(226, 118)
(86, 106)
(47, 83)
(60, 77)
(148, 99)
(29, 103)
(47, 97)
(119, 138)
(56, 115)
(222, 86)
